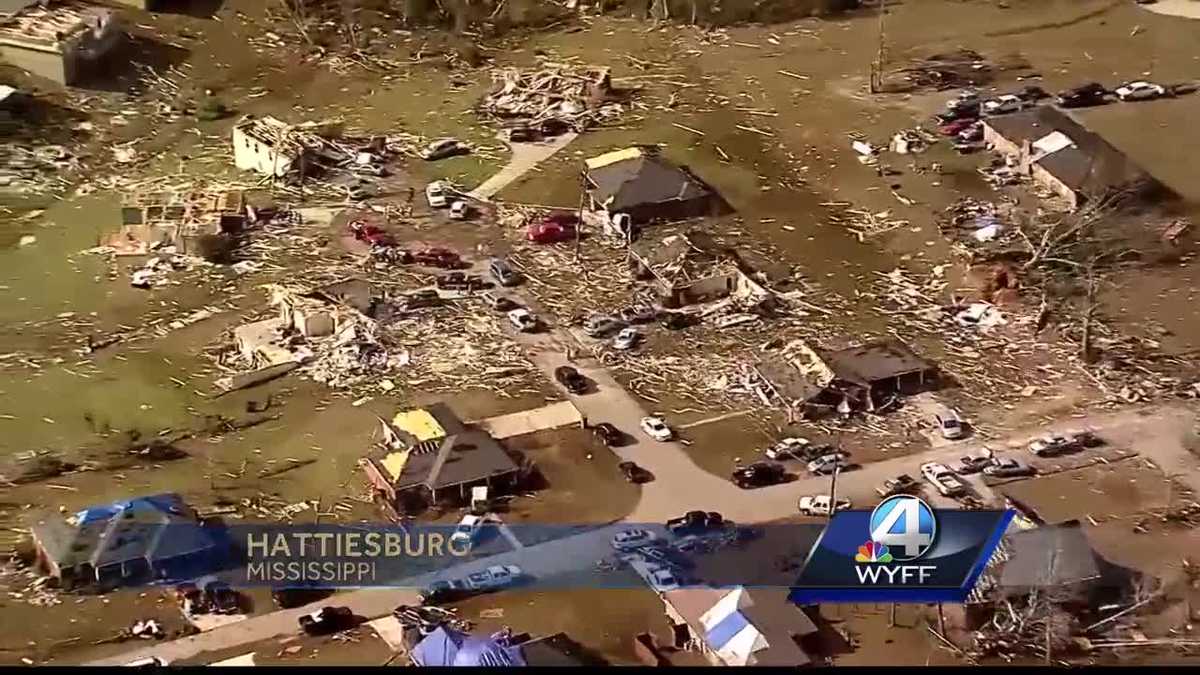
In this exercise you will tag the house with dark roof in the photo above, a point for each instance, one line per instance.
(428, 454)
(741, 627)
(1057, 560)
(154, 538)
(639, 183)
(1077, 164)
(860, 377)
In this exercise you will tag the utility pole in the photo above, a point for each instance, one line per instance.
(837, 467)
(877, 67)
(579, 225)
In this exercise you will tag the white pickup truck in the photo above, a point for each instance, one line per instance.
(943, 479)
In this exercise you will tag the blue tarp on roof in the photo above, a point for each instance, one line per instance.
(446, 647)
(726, 628)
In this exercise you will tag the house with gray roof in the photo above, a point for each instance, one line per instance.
(641, 184)
(1064, 156)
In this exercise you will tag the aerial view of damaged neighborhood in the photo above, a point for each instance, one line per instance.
(554, 332)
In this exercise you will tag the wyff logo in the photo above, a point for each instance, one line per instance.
(902, 529)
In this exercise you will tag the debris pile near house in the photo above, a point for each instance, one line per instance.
(35, 168)
(960, 68)
(553, 98)
(974, 222)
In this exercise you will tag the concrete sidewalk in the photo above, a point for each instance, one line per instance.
(525, 156)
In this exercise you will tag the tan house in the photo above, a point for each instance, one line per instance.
(60, 40)
(1065, 157)
(428, 454)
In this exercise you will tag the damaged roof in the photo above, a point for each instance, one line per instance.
(875, 361)
(1049, 556)
(639, 176)
(745, 627)
(1087, 163)
(461, 458)
(680, 258)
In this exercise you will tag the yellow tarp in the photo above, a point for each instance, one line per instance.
(394, 463)
(420, 424)
(612, 158)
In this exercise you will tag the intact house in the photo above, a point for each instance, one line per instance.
(639, 186)
(741, 627)
(60, 40)
(1066, 158)
(861, 377)
(196, 222)
(1056, 561)
(446, 647)
(691, 268)
(154, 538)
(429, 454)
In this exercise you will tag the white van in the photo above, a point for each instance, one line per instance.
(948, 422)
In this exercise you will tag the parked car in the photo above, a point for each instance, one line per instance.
(148, 662)
(660, 577)
(1002, 105)
(1140, 91)
(973, 463)
(426, 297)
(695, 522)
(459, 281)
(972, 134)
(955, 127)
(570, 379)
(627, 339)
(1007, 467)
(602, 325)
(819, 505)
(948, 423)
(759, 474)
(676, 320)
(628, 540)
(445, 590)
(827, 463)
(370, 234)
(436, 256)
(523, 320)
(943, 479)
(288, 598)
(494, 577)
(520, 134)
(1031, 92)
(1050, 446)
(503, 272)
(903, 484)
(467, 530)
(608, 434)
(788, 448)
(637, 314)
(634, 473)
(964, 112)
(436, 193)
(1092, 93)
(443, 148)
(327, 620)
(547, 233)
(964, 97)
(498, 302)
(222, 597)
(656, 428)
(459, 209)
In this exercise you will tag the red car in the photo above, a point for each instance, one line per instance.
(437, 257)
(371, 234)
(553, 228)
(953, 128)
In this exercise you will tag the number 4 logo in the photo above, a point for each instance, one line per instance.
(903, 513)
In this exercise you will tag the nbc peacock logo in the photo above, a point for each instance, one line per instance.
(873, 552)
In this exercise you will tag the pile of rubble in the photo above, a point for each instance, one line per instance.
(40, 168)
(554, 98)
(975, 222)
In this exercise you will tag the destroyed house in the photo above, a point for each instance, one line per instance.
(740, 627)
(1052, 559)
(179, 218)
(140, 540)
(855, 378)
(642, 185)
(1065, 157)
(273, 147)
(428, 454)
(691, 268)
(60, 40)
